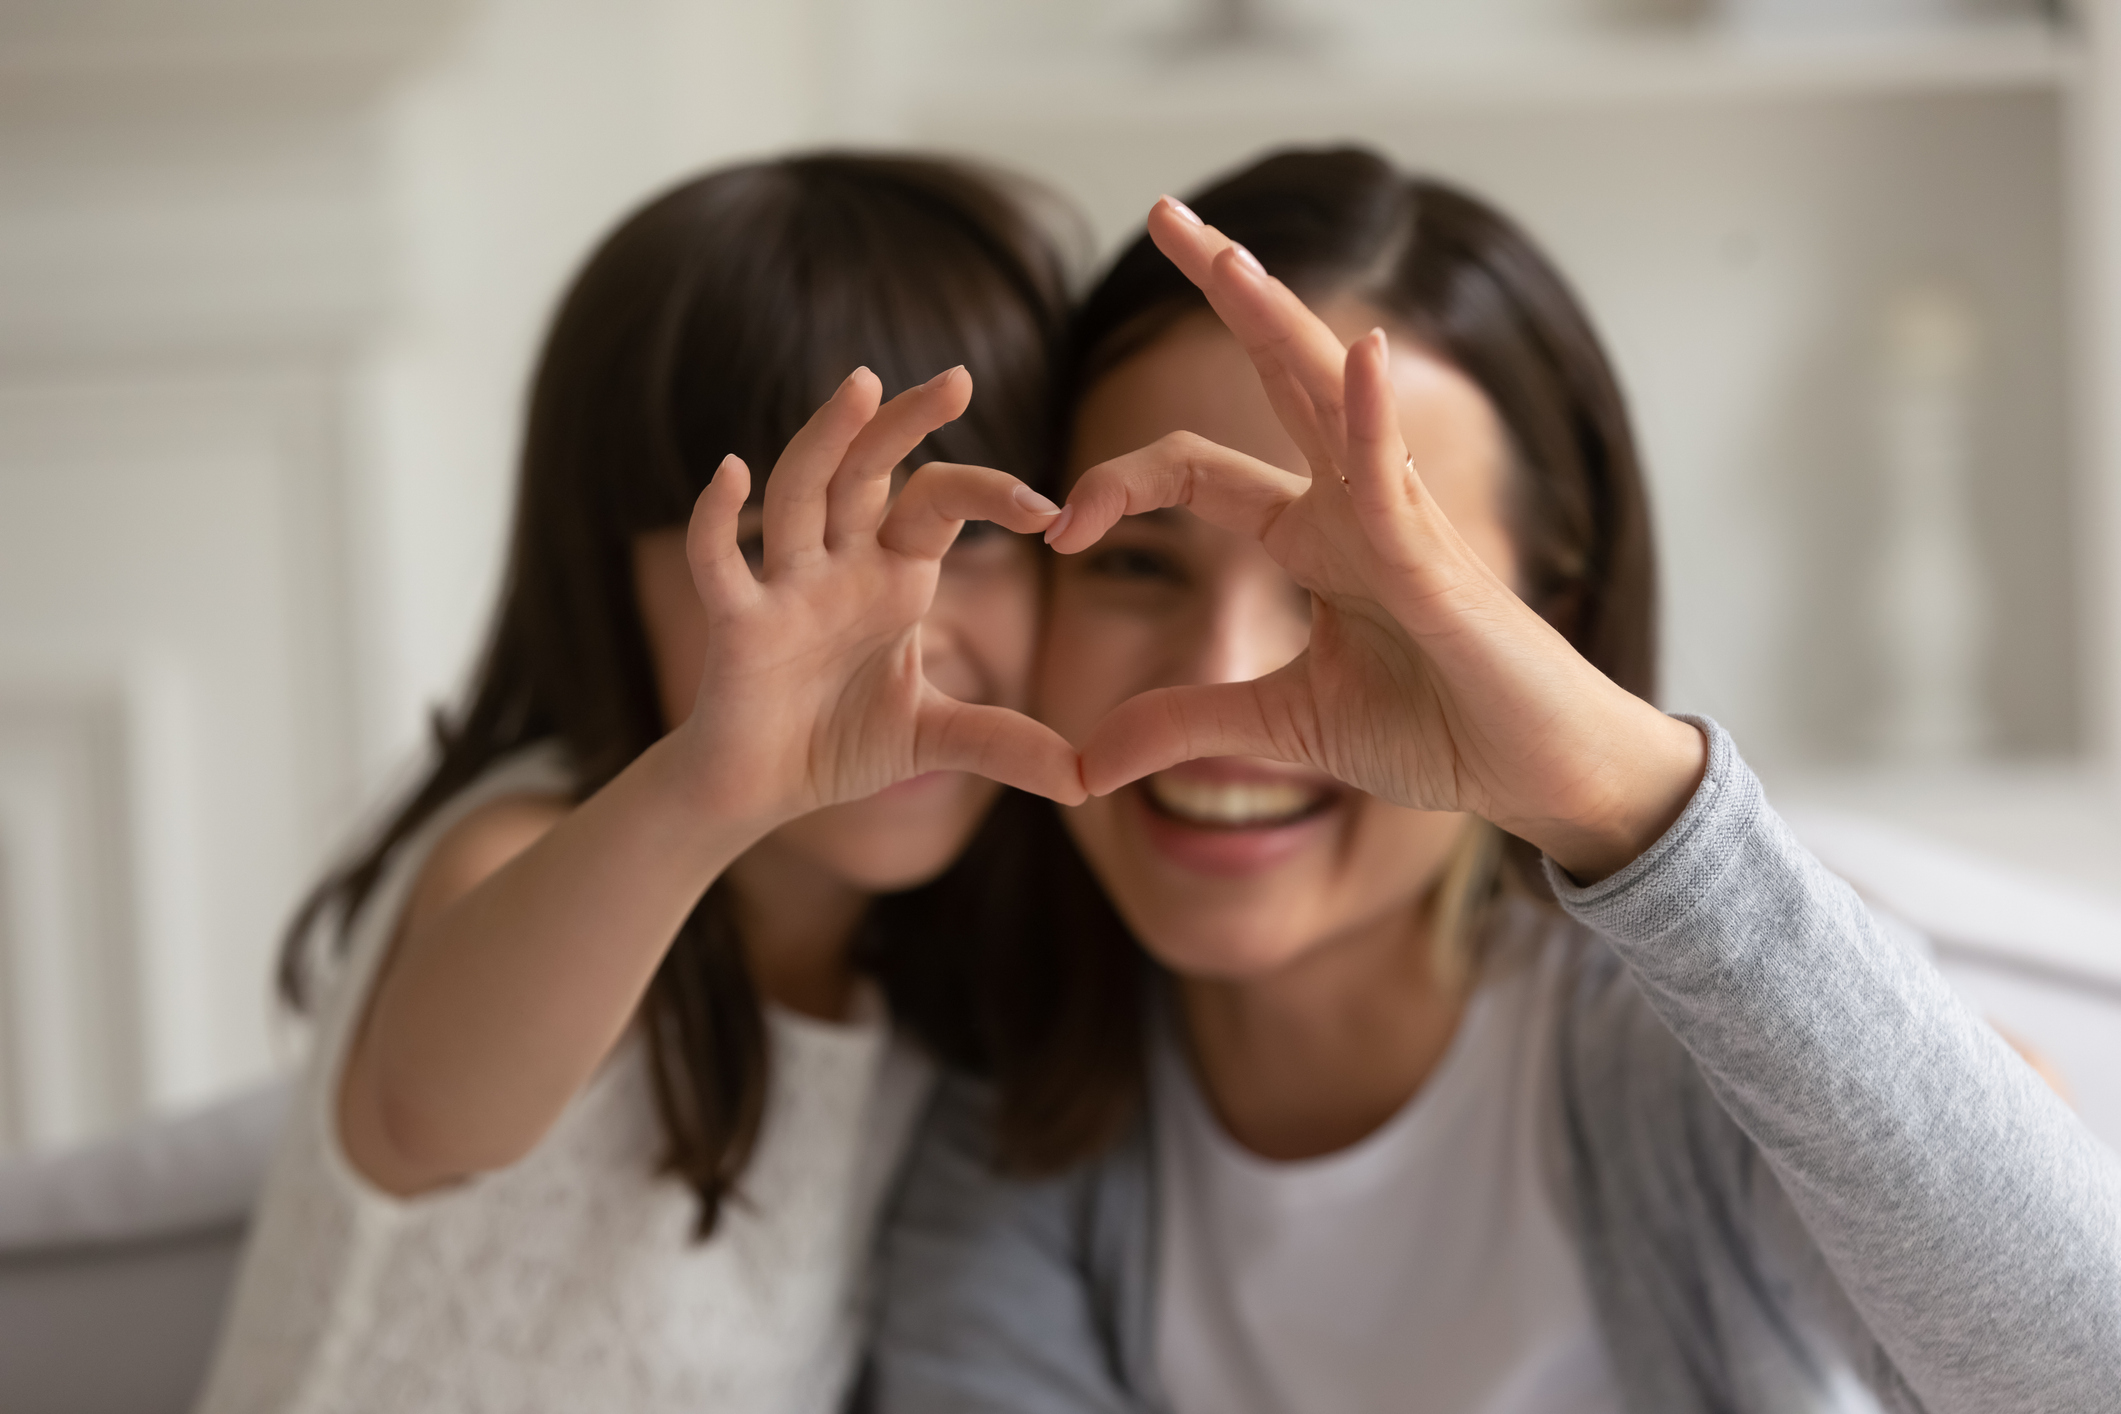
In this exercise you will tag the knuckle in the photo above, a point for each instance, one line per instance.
(1192, 453)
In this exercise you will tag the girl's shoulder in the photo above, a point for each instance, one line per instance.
(500, 813)
(480, 842)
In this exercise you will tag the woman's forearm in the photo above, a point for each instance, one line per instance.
(1971, 1218)
(494, 1008)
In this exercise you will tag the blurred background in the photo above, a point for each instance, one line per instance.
(272, 272)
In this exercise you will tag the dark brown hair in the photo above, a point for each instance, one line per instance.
(1062, 1011)
(716, 319)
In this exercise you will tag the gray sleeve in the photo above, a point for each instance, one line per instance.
(1973, 1222)
(999, 1294)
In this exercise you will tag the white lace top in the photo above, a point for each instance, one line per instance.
(569, 1281)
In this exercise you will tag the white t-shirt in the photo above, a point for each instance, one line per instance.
(570, 1280)
(1424, 1268)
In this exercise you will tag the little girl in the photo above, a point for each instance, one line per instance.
(601, 1096)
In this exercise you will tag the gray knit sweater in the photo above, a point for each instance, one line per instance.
(1795, 1163)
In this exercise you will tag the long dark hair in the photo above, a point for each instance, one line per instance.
(715, 319)
(1062, 985)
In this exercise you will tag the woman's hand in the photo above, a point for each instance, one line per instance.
(812, 691)
(1427, 681)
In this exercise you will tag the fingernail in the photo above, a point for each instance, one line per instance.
(1247, 259)
(854, 375)
(1384, 345)
(954, 368)
(1184, 210)
(1053, 531)
(1031, 501)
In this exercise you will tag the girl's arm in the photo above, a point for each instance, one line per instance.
(534, 930)
(1973, 1222)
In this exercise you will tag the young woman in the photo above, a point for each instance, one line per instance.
(1382, 1127)
(601, 1097)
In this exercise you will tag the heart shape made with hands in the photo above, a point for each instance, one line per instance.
(1395, 589)
(1427, 680)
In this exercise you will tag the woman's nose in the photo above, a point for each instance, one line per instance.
(1250, 630)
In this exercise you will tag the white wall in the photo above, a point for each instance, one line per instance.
(507, 154)
(271, 276)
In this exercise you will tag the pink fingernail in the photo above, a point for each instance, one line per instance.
(1053, 531)
(1247, 259)
(1184, 210)
(1031, 501)
(954, 368)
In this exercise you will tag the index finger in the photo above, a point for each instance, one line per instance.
(1224, 488)
(1298, 358)
(860, 491)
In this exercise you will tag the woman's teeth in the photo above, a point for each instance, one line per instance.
(1233, 804)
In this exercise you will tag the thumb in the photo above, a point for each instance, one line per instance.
(1269, 718)
(999, 744)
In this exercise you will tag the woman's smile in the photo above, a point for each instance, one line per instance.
(1230, 817)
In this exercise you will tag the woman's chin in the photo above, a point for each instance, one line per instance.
(1221, 954)
(1209, 900)
(1216, 891)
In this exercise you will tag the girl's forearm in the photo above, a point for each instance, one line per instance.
(495, 1008)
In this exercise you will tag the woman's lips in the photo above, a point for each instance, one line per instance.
(1231, 818)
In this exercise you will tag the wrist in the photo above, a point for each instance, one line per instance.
(680, 770)
(1642, 790)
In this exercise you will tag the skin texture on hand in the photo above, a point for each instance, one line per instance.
(1427, 682)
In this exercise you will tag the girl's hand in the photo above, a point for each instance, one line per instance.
(1427, 681)
(812, 692)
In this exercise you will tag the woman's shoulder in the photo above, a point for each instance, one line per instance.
(957, 1140)
(959, 1209)
(979, 1265)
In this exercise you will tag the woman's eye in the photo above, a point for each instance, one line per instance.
(982, 545)
(1121, 562)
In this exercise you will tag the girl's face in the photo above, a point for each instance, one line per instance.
(1233, 868)
(976, 645)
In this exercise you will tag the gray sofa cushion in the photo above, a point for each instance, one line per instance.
(116, 1259)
